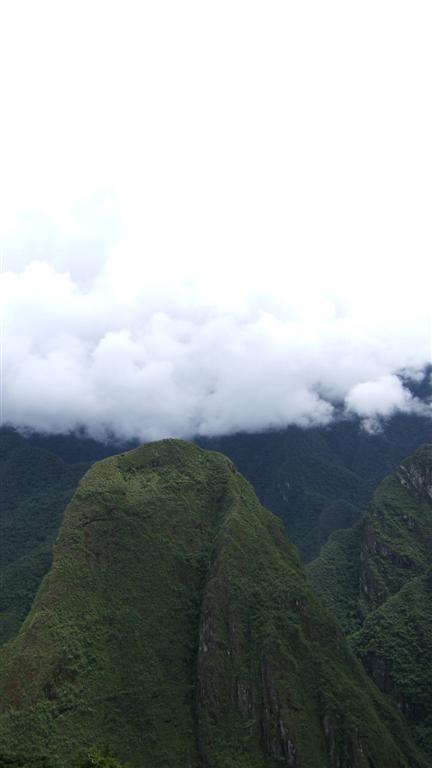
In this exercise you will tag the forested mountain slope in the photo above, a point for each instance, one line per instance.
(376, 578)
(35, 486)
(176, 627)
(316, 480)
(321, 479)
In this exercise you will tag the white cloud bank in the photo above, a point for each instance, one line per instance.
(151, 359)
(213, 217)
(375, 400)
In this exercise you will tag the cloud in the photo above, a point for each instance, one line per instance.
(215, 217)
(149, 358)
(373, 400)
(380, 397)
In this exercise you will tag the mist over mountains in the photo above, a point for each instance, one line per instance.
(237, 237)
(150, 545)
(150, 354)
(215, 385)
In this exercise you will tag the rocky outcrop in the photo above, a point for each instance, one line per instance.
(415, 473)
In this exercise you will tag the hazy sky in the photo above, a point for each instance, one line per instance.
(213, 216)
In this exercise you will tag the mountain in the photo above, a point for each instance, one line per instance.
(377, 579)
(395, 645)
(35, 487)
(316, 480)
(176, 628)
(321, 479)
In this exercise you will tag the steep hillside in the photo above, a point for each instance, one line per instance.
(335, 577)
(321, 479)
(395, 645)
(176, 628)
(35, 486)
(376, 578)
(316, 480)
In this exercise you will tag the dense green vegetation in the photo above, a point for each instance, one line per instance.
(335, 577)
(395, 644)
(321, 479)
(377, 580)
(373, 576)
(316, 480)
(35, 486)
(176, 628)
(89, 758)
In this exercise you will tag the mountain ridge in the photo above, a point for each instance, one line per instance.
(376, 579)
(176, 627)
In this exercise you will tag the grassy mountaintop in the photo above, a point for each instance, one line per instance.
(176, 627)
(376, 578)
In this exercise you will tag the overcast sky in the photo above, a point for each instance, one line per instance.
(213, 215)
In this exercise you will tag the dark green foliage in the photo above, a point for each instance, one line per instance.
(395, 644)
(176, 628)
(359, 569)
(321, 479)
(91, 758)
(95, 759)
(377, 580)
(35, 487)
(335, 576)
(316, 480)
(29, 761)
(77, 447)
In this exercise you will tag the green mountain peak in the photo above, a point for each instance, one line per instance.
(176, 628)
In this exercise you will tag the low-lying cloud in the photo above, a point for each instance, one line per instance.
(213, 217)
(159, 356)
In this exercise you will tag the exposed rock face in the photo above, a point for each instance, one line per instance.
(345, 755)
(382, 669)
(176, 627)
(415, 474)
